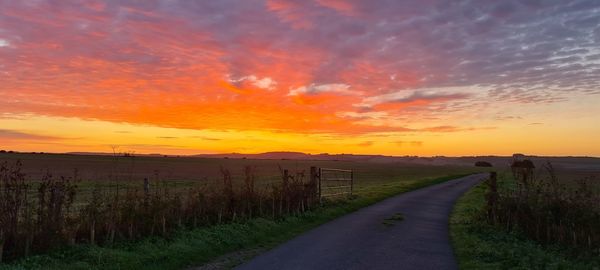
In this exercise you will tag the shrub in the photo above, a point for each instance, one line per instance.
(36, 216)
(483, 164)
(547, 210)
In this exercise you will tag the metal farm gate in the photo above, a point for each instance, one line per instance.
(333, 182)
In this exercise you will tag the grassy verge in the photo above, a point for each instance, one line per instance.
(480, 246)
(195, 247)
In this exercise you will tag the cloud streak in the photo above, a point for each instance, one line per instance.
(7, 134)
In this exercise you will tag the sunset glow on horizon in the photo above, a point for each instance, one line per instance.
(317, 76)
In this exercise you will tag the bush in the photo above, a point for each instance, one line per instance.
(36, 216)
(547, 210)
(479, 245)
(483, 164)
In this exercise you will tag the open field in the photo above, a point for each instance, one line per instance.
(374, 181)
(184, 171)
(195, 192)
(105, 168)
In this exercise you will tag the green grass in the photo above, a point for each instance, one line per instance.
(480, 246)
(199, 246)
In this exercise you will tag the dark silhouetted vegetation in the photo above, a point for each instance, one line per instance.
(39, 215)
(198, 246)
(481, 245)
(547, 210)
(267, 210)
(483, 164)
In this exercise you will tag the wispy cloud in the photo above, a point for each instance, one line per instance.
(366, 143)
(206, 138)
(454, 129)
(412, 97)
(4, 43)
(314, 89)
(410, 143)
(265, 83)
(18, 135)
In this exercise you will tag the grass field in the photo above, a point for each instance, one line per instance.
(195, 246)
(99, 170)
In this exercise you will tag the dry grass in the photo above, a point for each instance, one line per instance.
(37, 216)
(547, 209)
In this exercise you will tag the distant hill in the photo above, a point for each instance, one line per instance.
(342, 157)
(584, 163)
(267, 155)
(591, 163)
(90, 153)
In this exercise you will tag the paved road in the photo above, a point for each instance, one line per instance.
(360, 240)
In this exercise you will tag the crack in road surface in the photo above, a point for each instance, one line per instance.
(360, 241)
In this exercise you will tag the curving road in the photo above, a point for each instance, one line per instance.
(366, 240)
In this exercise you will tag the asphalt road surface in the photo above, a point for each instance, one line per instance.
(366, 240)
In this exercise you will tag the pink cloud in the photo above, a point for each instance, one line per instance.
(343, 6)
(291, 12)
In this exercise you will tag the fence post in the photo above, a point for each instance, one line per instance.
(351, 182)
(492, 197)
(286, 188)
(320, 194)
(313, 182)
(146, 186)
(1, 244)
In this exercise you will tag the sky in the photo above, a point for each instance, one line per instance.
(419, 77)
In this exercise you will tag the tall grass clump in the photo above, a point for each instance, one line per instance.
(547, 210)
(34, 216)
(37, 215)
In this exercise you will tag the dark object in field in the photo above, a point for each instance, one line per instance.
(526, 163)
(146, 185)
(483, 164)
(492, 196)
(522, 171)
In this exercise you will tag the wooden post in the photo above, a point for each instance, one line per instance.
(286, 189)
(286, 176)
(1, 244)
(313, 183)
(492, 197)
(351, 182)
(493, 177)
(320, 194)
(146, 186)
